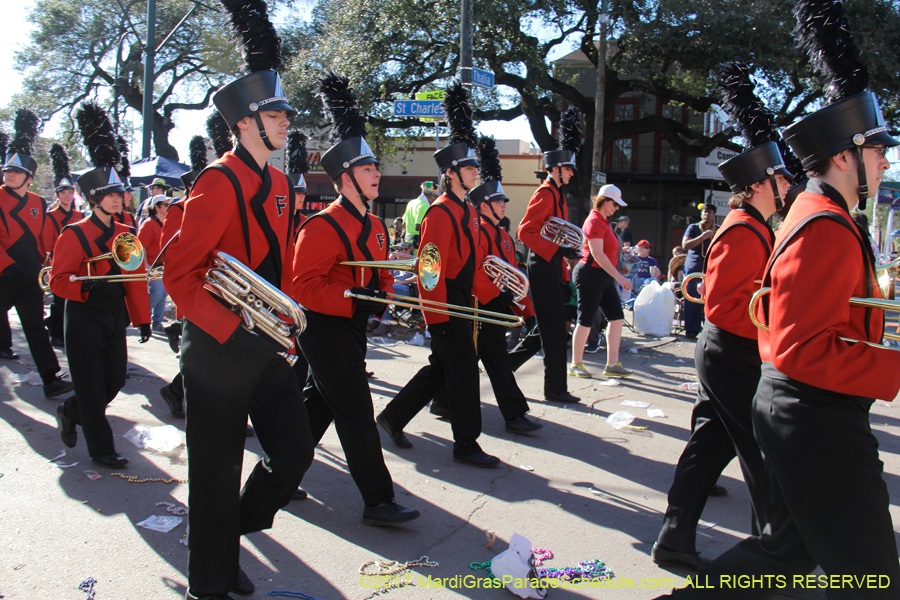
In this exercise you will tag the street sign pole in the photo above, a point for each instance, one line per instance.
(599, 97)
(465, 42)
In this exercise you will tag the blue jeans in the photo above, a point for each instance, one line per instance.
(157, 301)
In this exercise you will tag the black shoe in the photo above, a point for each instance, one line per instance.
(190, 596)
(113, 461)
(370, 374)
(250, 431)
(388, 513)
(718, 491)
(439, 410)
(57, 343)
(173, 333)
(8, 354)
(523, 425)
(563, 397)
(57, 386)
(663, 555)
(67, 430)
(479, 458)
(397, 436)
(300, 494)
(244, 586)
(691, 335)
(176, 404)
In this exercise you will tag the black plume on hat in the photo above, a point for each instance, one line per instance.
(261, 44)
(4, 145)
(197, 151)
(297, 162)
(749, 114)
(459, 115)
(125, 171)
(60, 161)
(219, 134)
(346, 119)
(489, 157)
(823, 32)
(27, 126)
(570, 130)
(98, 135)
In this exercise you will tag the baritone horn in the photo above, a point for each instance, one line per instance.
(504, 275)
(702, 277)
(879, 303)
(258, 301)
(562, 233)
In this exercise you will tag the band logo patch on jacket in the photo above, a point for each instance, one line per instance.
(507, 245)
(280, 203)
(380, 238)
(475, 222)
(35, 213)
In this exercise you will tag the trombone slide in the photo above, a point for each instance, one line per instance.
(442, 308)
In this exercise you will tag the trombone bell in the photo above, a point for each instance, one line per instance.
(426, 266)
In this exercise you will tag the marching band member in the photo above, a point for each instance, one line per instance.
(238, 205)
(96, 309)
(452, 225)
(298, 166)
(24, 238)
(727, 355)
(828, 503)
(60, 216)
(545, 262)
(346, 231)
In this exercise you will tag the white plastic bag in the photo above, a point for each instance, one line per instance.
(515, 568)
(654, 310)
(160, 439)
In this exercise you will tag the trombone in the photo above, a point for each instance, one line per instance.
(562, 233)
(127, 252)
(427, 267)
(879, 303)
(702, 276)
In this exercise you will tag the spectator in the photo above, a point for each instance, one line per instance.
(676, 265)
(399, 231)
(649, 268)
(415, 211)
(150, 234)
(624, 232)
(697, 238)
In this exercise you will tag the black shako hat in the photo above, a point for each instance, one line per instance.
(62, 176)
(852, 118)
(569, 141)
(348, 127)
(460, 148)
(103, 149)
(763, 158)
(261, 89)
(298, 165)
(490, 190)
(197, 154)
(27, 126)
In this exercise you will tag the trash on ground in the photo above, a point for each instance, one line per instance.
(160, 439)
(635, 404)
(58, 456)
(163, 524)
(417, 340)
(620, 419)
(93, 475)
(526, 467)
(64, 466)
(656, 413)
(173, 508)
(31, 378)
(610, 382)
(491, 538)
(633, 350)
(380, 341)
(679, 360)
(691, 386)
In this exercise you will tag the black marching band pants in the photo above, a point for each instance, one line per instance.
(98, 362)
(28, 299)
(827, 502)
(337, 389)
(223, 384)
(547, 297)
(495, 358)
(454, 364)
(57, 314)
(721, 426)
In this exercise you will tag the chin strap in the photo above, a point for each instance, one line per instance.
(103, 210)
(779, 204)
(493, 212)
(455, 169)
(262, 131)
(359, 191)
(863, 190)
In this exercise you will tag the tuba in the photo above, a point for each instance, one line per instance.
(562, 233)
(504, 275)
(259, 302)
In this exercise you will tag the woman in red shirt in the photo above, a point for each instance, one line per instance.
(595, 278)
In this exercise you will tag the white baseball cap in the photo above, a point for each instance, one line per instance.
(611, 191)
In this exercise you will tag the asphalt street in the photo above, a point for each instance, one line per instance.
(578, 487)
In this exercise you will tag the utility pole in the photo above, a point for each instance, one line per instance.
(149, 67)
(465, 42)
(599, 100)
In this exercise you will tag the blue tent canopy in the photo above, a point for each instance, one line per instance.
(145, 170)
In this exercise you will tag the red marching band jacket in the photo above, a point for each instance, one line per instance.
(497, 242)
(320, 279)
(821, 266)
(736, 259)
(212, 221)
(126, 218)
(150, 235)
(171, 225)
(447, 234)
(84, 240)
(24, 233)
(547, 201)
(58, 219)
